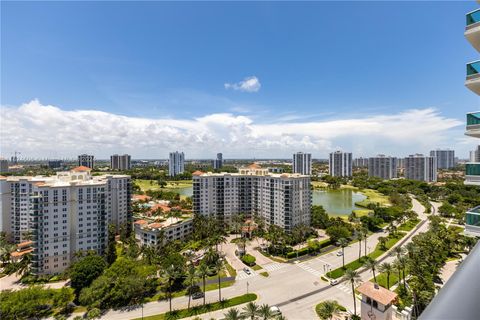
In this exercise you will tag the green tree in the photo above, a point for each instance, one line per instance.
(171, 273)
(372, 264)
(327, 309)
(343, 243)
(190, 281)
(251, 311)
(85, 270)
(383, 242)
(388, 269)
(218, 266)
(111, 252)
(202, 272)
(264, 312)
(233, 314)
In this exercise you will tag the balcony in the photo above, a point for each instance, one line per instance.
(472, 173)
(473, 123)
(472, 29)
(472, 80)
(472, 222)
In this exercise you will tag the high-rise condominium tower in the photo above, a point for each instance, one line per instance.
(218, 163)
(302, 163)
(340, 164)
(445, 158)
(421, 168)
(383, 167)
(85, 160)
(472, 174)
(120, 162)
(283, 200)
(176, 163)
(3, 165)
(65, 213)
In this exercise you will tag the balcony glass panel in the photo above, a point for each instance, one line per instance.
(473, 118)
(473, 219)
(473, 68)
(473, 169)
(473, 17)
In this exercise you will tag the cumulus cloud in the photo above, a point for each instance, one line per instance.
(48, 131)
(249, 84)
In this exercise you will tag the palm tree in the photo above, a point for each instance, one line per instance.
(343, 243)
(327, 309)
(171, 273)
(402, 262)
(190, 280)
(264, 312)
(250, 310)
(23, 267)
(353, 277)
(383, 242)
(398, 267)
(359, 237)
(365, 236)
(372, 265)
(388, 269)
(202, 272)
(218, 266)
(398, 251)
(233, 314)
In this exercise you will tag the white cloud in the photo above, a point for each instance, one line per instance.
(47, 131)
(249, 84)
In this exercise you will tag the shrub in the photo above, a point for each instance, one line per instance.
(248, 259)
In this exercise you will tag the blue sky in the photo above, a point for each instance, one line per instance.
(313, 63)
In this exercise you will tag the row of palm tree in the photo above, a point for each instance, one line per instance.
(252, 311)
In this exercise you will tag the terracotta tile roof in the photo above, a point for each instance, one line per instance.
(141, 197)
(157, 206)
(81, 169)
(3, 177)
(197, 173)
(377, 293)
(17, 254)
(155, 225)
(24, 244)
(254, 166)
(140, 222)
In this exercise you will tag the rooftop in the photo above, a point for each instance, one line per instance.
(377, 293)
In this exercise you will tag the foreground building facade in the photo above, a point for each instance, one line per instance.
(63, 214)
(472, 81)
(283, 200)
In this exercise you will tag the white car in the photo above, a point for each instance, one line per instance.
(275, 311)
(333, 282)
(339, 253)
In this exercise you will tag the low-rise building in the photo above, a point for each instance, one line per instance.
(171, 229)
(376, 301)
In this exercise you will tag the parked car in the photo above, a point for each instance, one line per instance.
(197, 295)
(339, 253)
(275, 311)
(333, 282)
(247, 271)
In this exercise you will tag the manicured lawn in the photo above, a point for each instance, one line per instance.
(265, 274)
(184, 313)
(231, 270)
(362, 212)
(337, 273)
(171, 185)
(256, 267)
(409, 225)
(374, 197)
(382, 279)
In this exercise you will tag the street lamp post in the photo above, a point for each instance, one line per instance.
(247, 286)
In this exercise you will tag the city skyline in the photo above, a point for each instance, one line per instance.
(115, 94)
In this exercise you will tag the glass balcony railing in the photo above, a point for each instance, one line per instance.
(473, 217)
(472, 169)
(473, 118)
(473, 17)
(473, 69)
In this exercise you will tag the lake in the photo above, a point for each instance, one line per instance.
(337, 202)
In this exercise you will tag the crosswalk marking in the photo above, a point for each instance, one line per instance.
(310, 269)
(274, 266)
(242, 275)
(344, 288)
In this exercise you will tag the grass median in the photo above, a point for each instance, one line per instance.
(196, 310)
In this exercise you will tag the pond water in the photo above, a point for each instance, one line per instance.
(187, 191)
(337, 202)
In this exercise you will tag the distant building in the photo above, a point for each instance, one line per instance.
(445, 158)
(65, 213)
(421, 168)
(120, 162)
(383, 167)
(340, 164)
(3, 165)
(302, 163)
(218, 163)
(283, 200)
(401, 163)
(176, 163)
(55, 164)
(360, 162)
(276, 170)
(85, 160)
